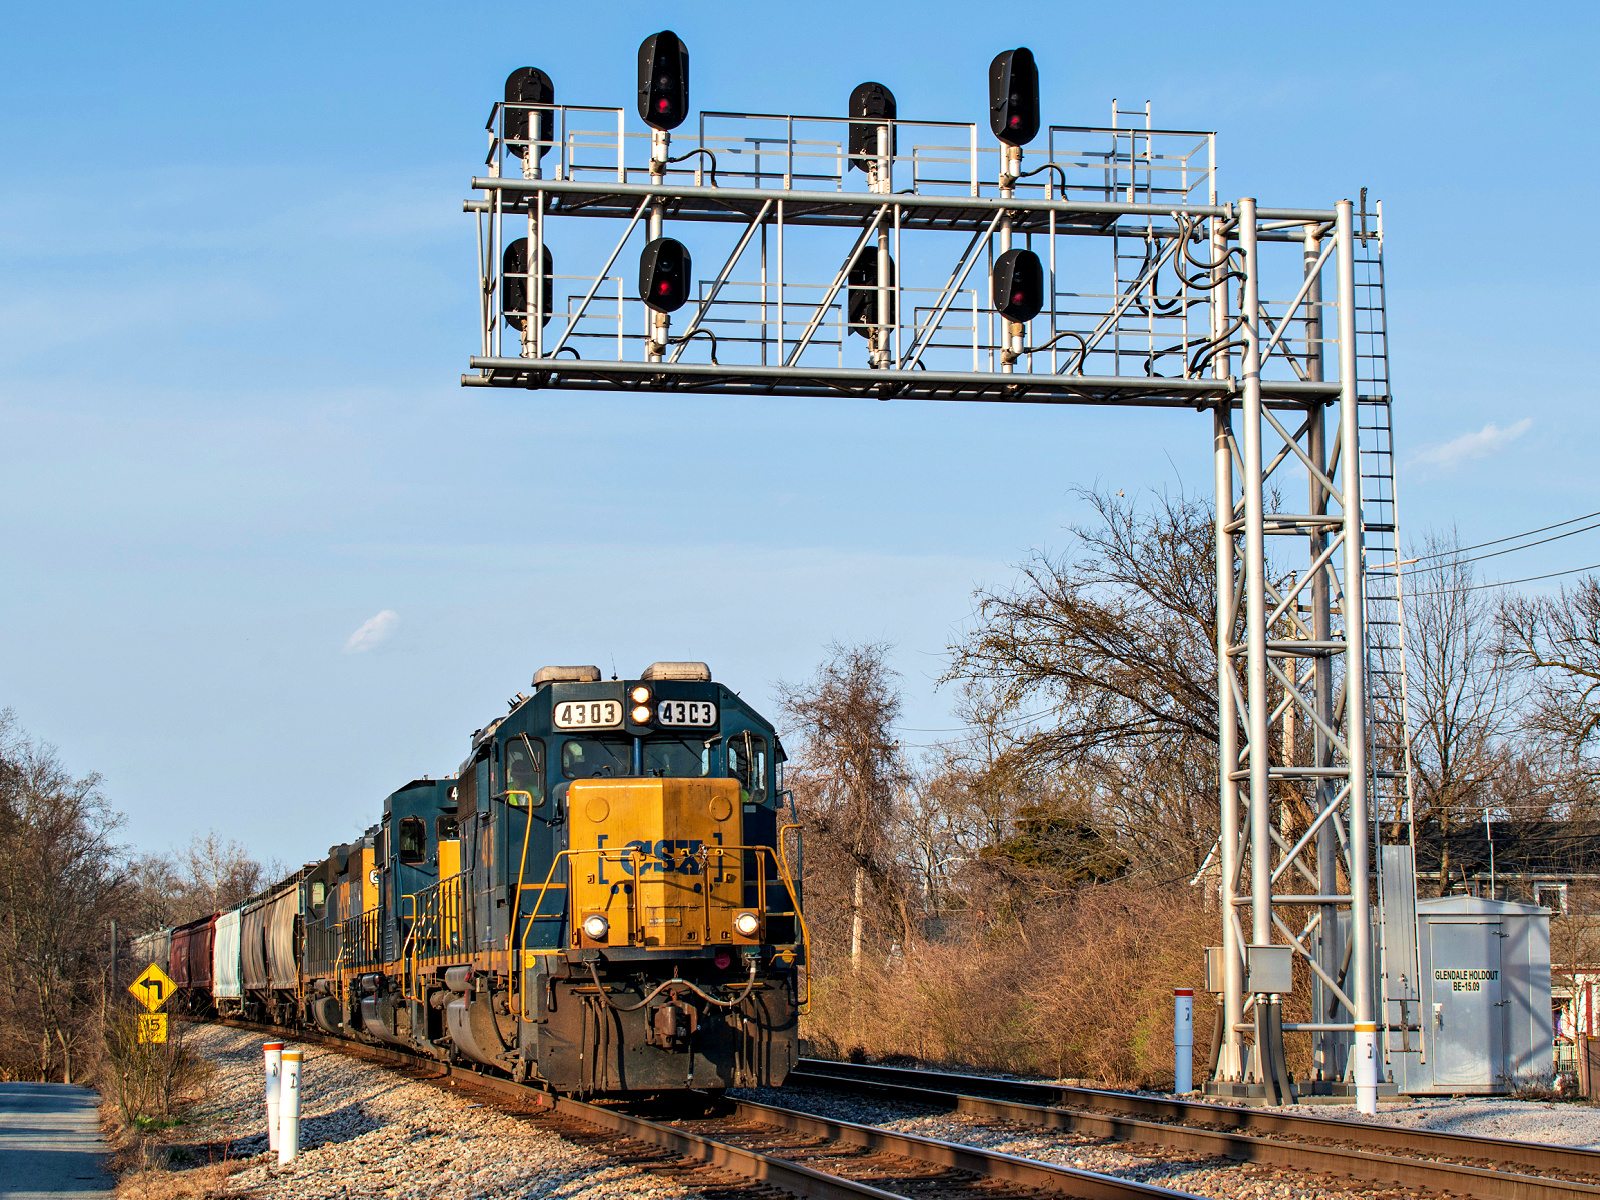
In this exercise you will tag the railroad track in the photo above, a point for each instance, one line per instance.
(775, 1148)
(1488, 1168)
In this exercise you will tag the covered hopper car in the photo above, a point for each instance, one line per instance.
(599, 900)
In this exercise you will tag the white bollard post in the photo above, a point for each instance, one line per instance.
(274, 1066)
(1366, 1052)
(1183, 1040)
(289, 1114)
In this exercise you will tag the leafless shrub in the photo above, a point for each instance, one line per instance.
(1083, 990)
(1543, 1086)
(151, 1081)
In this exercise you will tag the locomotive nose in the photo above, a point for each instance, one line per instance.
(655, 862)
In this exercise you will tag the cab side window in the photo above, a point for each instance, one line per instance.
(413, 840)
(747, 762)
(524, 762)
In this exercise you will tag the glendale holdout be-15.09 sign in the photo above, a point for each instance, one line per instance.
(1465, 981)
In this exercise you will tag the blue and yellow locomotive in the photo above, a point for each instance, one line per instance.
(598, 900)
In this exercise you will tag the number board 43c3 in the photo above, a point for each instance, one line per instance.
(588, 714)
(699, 714)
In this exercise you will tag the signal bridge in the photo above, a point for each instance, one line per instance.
(1019, 261)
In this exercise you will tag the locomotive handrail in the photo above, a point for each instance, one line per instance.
(516, 895)
(430, 926)
(633, 857)
(805, 932)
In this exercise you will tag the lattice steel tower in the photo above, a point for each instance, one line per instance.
(1223, 307)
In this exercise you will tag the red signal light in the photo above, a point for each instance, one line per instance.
(1014, 96)
(663, 80)
(1018, 285)
(664, 274)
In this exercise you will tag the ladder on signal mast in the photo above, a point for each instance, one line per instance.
(1389, 745)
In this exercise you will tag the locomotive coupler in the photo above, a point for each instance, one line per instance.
(672, 1024)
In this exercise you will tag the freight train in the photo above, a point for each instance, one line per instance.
(599, 901)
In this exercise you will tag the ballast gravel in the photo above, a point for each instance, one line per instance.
(366, 1132)
(1560, 1123)
(1180, 1170)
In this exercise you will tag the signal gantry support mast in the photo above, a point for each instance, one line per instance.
(1211, 305)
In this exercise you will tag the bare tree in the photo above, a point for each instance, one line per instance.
(1103, 664)
(851, 773)
(1458, 690)
(217, 873)
(209, 875)
(1556, 639)
(61, 881)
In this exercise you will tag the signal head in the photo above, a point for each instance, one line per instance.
(663, 80)
(862, 308)
(1016, 286)
(875, 102)
(664, 273)
(1014, 96)
(514, 284)
(529, 85)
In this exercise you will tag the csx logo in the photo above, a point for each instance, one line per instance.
(663, 857)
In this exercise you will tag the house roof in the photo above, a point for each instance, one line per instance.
(1519, 848)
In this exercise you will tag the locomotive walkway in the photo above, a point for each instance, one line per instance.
(50, 1143)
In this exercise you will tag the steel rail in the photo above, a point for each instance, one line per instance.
(793, 1177)
(991, 1164)
(1253, 1135)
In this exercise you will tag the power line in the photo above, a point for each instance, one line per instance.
(1508, 538)
(1512, 549)
(1506, 583)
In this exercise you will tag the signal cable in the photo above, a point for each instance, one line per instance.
(708, 154)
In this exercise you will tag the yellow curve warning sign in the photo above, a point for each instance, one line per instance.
(153, 988)
(152, 1027)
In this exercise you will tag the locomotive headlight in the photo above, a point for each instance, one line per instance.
(640, 695)
(641, 714)
(747, 924)
(595, 927)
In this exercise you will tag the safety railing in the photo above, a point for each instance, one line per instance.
(361, 939)
(636, 861)
(438, 928)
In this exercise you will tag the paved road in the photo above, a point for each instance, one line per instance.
(50, 1143)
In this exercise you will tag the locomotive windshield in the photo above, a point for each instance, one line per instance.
(742, 756)
(590, 758)
(678, 758)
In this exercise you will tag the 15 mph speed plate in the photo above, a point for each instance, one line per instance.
(697, 714)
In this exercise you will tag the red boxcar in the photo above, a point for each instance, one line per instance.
(191, 954)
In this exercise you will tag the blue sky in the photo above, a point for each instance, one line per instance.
(238, 294)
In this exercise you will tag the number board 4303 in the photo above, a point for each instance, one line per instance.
(588, 714)
(698, 714)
